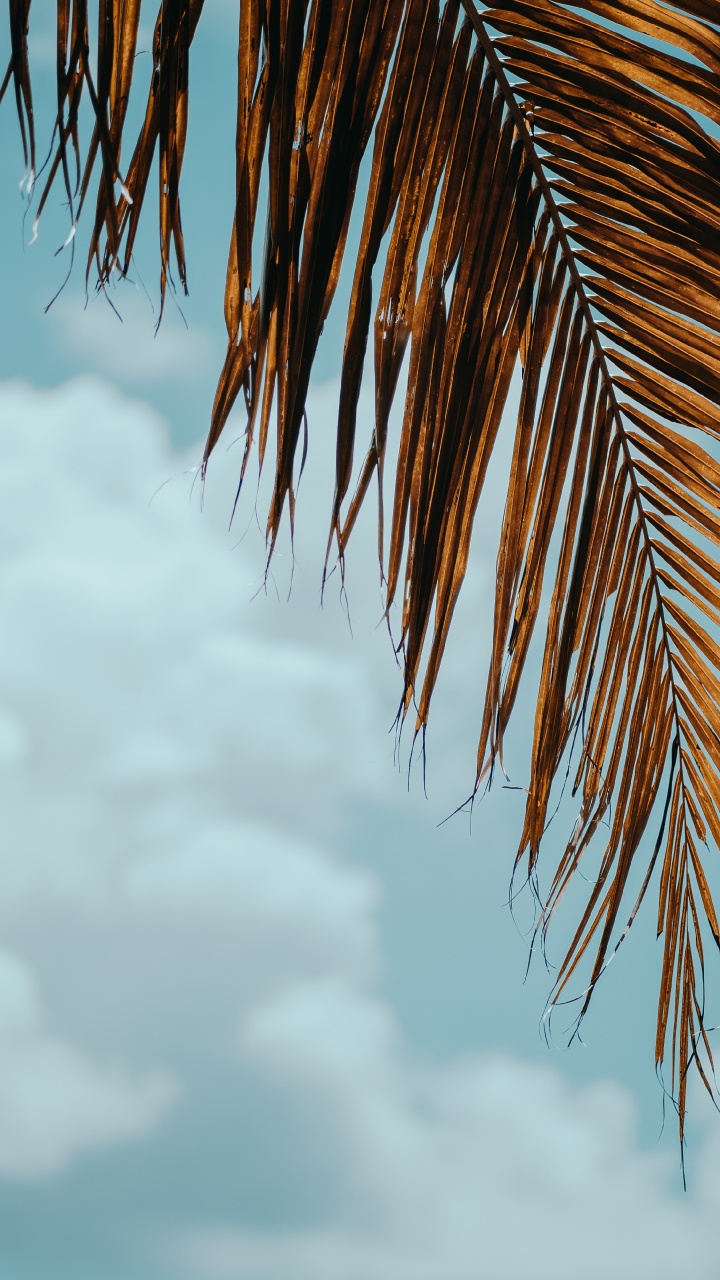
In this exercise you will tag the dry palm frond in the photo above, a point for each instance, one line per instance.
(547, 181)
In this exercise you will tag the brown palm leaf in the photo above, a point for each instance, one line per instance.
(546, 179)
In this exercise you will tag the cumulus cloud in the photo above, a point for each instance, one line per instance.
(138, 696)
(486, 1167)
(55, 1101)
(123, 343)
(176, 758)
(162, 757)
(311, 909)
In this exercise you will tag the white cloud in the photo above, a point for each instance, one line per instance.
(485, 1168)
(162, 757)
(55, 1101)
(123, 342)
(312, 909)
(141, 705)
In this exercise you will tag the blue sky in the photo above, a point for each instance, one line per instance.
(260, 1016)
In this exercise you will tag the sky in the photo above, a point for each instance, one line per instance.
(261, 1016)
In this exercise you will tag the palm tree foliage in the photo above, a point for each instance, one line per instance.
(544, 193)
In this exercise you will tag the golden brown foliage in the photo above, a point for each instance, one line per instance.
(547, 185)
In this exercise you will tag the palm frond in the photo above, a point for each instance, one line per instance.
(546, 181)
